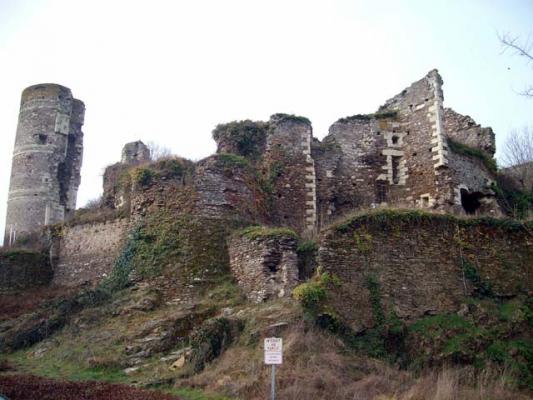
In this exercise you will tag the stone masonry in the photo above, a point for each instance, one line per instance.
(421, 264)
(265, 267)
(400, 156)
(87, 252)
(47, 158)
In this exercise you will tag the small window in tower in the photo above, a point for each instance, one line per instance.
(396, 169)
(395, 139)
(41, 138)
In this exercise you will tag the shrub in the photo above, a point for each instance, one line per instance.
(264, 232)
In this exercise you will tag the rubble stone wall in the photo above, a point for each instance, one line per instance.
(265, 268)
(420, 264)
(463, 129)
(290, 171)
(87, 252)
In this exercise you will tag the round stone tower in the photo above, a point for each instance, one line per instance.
(45, 172)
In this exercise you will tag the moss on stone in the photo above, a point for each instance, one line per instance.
(264, 232)
(246, 138)
(280, 117)
(228, 160)
(460, 148)
(389, 216)
(368, 117)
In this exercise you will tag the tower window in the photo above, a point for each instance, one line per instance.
(395, 139)
(41, 138)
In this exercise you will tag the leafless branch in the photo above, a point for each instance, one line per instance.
(518, 157)
(523, 49)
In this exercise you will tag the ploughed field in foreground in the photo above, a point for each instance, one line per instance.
(27, 387)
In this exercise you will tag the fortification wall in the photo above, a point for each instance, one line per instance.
(463, 129)
(289, 170)
(86, 252)
(264, 265)
(410, 264)
(47, 158)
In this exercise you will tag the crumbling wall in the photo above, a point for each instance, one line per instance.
(47, 158)
(472, 184)
(87, 252)
(411, 264)
(463, 129)
(264, 263)
(226, 186)
(135, 153)
(289, 172)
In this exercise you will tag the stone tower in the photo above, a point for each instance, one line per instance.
(47, 157)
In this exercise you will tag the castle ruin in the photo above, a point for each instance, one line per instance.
(47, 157)
(411, 153)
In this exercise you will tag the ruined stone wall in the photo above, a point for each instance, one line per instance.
(463, 129)
(393, 157)
(47, 158)
(86, 253)
(227, 187)
(265, 267)
(413, 264)
(289, 170)
(400, 156)
(472, 185)
(135, 153)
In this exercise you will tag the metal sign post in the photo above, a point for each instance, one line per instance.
(273, 356)
(273, 384)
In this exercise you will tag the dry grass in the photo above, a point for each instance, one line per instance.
(317, 366)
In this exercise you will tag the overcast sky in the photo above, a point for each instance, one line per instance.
(169, 71)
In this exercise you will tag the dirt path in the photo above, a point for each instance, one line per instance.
(28, 387)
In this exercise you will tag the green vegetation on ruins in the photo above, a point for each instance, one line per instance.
(369, 117)
(264, 232)
(247, 136)
(463, 149)
(280, 117)
(415, 216)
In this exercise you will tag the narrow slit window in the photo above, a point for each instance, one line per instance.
(396, 169)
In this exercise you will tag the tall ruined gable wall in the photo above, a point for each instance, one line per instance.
(463, 129)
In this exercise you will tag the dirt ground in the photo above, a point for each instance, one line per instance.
(28, 387)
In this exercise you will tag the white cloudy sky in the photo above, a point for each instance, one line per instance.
(169, 71)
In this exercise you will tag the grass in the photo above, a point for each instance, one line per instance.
(232, 160)
(280, 117)
(245, 137)
(416, 216)
(194, 394)
(369, 117)
(255, 232)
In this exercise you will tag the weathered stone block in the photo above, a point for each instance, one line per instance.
(264, 262)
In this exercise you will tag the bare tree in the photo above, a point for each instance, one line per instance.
(158, 152)
(517, 157)
(522, 48)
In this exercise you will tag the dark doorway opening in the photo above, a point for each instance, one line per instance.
(470, 201)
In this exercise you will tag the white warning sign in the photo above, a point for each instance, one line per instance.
(273, 351)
